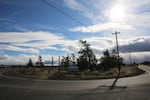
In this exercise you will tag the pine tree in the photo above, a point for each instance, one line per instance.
(65, 62)
(108, 61)
(87, 59)
(30, 64)
(39, 62)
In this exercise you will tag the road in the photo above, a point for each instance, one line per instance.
(131, 88)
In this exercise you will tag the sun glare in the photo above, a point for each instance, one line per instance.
(117, 13)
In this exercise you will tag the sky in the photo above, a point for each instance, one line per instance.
(29, 28)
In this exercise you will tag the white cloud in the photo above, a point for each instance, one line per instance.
(136, 15)
(23, 59)
(72, 48)
(137, 57)
(49, 47)
(98, 44)
(135, 4)
(33, 42)
(18, 49)
(74, 4)
(136, 45)
(3, 57)
(13, 60)
(141, 19)
(18, 37)
(83, 9)
(101, 27)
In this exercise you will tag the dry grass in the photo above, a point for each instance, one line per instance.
(46, 73)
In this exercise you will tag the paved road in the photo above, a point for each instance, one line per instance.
(131, 88)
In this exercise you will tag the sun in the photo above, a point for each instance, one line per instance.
(117, 13)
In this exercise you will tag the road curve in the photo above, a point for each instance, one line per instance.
(23, 89)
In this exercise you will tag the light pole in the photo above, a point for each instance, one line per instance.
(116, 33)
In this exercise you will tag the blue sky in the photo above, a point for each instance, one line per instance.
(29, 28)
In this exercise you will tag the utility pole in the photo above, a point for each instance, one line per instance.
(59, 63)
(116, 33)
(130, 59)
(52, 63)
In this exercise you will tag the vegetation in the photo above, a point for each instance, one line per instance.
(39, 63)
(68, 61)
(30, 64)
(146, 63)
(65, 62)
(108, 61)
(87, 59)
(43, 73)
(89, 67)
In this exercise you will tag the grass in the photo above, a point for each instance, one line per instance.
(49, 74)
(35, 73)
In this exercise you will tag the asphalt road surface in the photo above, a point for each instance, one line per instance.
(131, 88)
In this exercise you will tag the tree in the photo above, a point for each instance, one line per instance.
(39, 62)
(30, 64)
(73, 59)
(108, 61)
(65, 62)
(87, 59)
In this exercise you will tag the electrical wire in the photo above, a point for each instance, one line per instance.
(64, 13)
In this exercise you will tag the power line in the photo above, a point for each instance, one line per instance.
(51, 5)
(64, 13)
